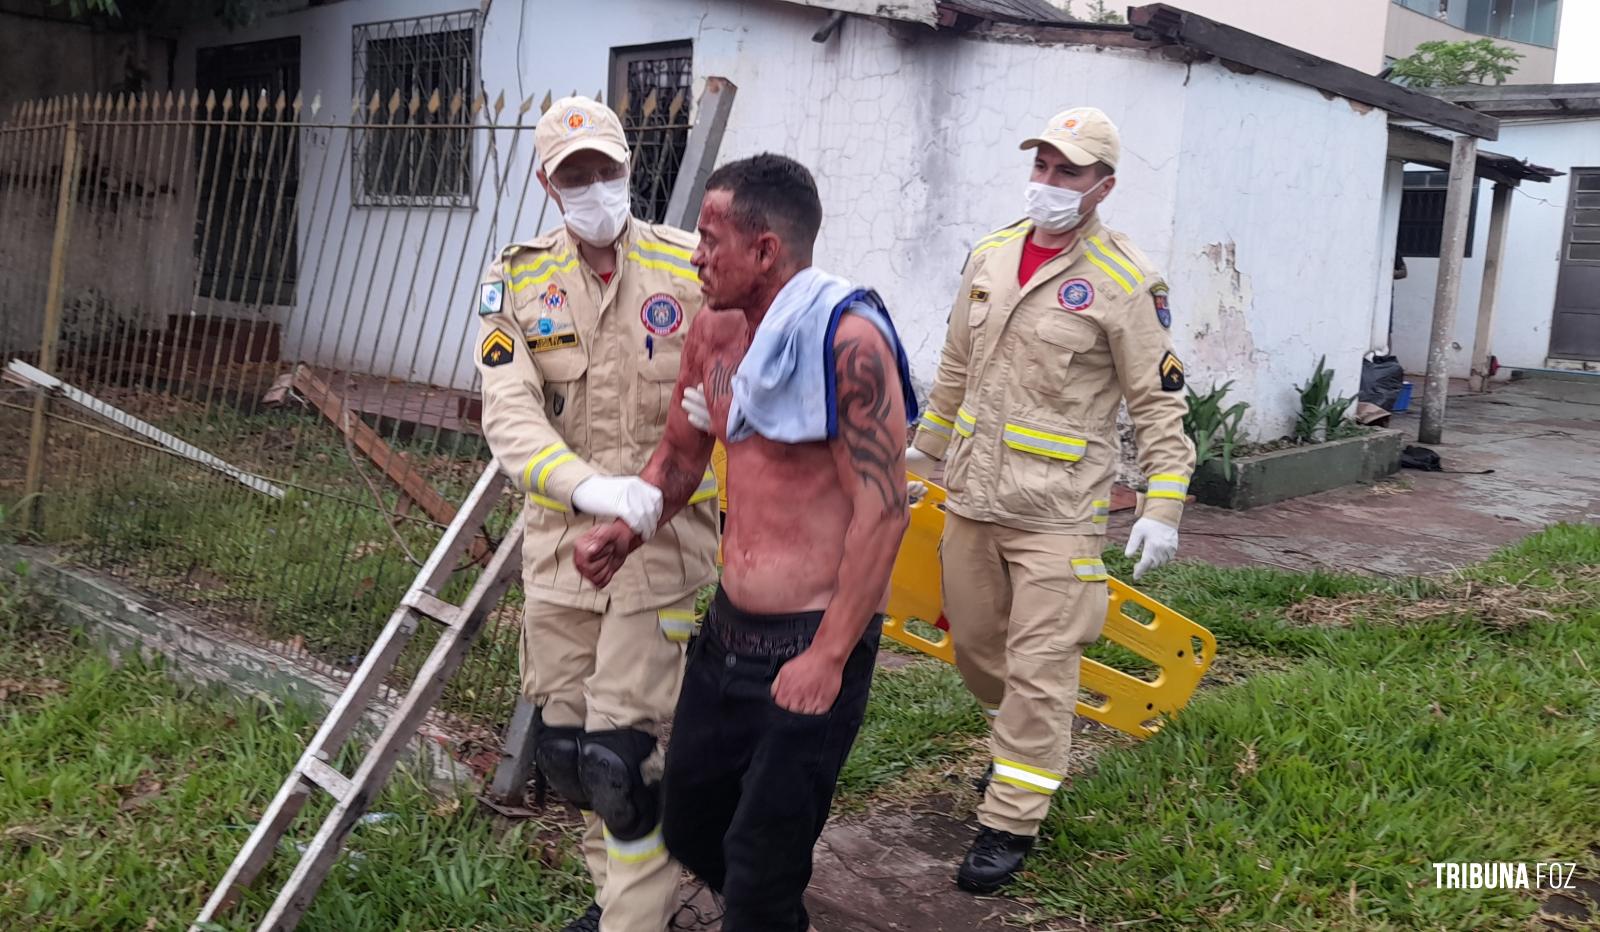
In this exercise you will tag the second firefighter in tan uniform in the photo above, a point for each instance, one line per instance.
(578, 370)
(1023, 413)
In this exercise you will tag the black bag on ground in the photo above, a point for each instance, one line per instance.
(1381, 378)
(1420, 458)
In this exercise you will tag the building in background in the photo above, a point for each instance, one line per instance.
(1528, 26)
(1548, 313)
(1253, 174)
(1367, 34)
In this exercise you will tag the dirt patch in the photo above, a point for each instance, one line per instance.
(1502, 605)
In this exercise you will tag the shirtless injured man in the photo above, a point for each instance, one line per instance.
(801, 376)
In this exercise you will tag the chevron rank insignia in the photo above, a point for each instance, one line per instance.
(1171, 369)
(497, 349)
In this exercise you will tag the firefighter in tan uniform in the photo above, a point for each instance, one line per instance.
(580, 333)
(1057, 321)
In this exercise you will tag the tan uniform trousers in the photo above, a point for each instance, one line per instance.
(604, 671)
(1022, 605)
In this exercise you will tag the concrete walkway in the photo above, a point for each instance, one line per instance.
(1541, 436)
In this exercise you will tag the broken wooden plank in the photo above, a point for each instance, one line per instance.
(414, 487)
(23, 373)
(367, 440)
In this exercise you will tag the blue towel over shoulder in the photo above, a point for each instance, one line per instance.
(785, 389)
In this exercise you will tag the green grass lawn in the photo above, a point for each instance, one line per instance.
(123, 797)
(1353, 732)
(1319, 797)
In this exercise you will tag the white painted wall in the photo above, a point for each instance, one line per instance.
(1520, 336)
(1261, 198)
(1275, 257)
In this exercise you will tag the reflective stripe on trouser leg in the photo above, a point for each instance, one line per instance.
(977, 600)
(1057, 606)
(641, 888)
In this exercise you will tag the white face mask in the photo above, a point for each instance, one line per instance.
(595, 213)
(1053, 209)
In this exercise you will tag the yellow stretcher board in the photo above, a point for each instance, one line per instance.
(1179, 648)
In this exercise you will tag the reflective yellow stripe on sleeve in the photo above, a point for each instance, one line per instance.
(544, 502)
(934, 424)
(539, 459)
(1027, 777)
(1041, 443)
(542, 270)
(544, 473)
(662, 257)
(966, 423)
(1089, 569)
(1102, 510)
(707, 490)
(1168, 485)
(1117, 268)
(1001, 237)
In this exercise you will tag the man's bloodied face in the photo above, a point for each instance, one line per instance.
(730, 258)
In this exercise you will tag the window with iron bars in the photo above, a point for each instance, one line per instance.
(1422, 215)
(650, 88)
(418, 153)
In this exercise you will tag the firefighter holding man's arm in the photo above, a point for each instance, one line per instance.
(1056, 321)
(579, 338)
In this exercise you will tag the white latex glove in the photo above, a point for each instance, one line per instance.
(635, 501)
(694, 405)
(1159, 543)
(921, 464)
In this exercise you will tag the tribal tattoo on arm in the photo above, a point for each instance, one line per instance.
(865, 411)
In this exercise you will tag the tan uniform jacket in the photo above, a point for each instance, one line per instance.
(577, 381)
(1025, 404)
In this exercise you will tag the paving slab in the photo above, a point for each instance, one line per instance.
(1538, 439)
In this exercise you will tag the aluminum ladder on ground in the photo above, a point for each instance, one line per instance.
(315, 771)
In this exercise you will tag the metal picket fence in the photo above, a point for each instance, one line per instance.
(262, 316)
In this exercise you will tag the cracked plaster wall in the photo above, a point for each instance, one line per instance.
(1275, 255)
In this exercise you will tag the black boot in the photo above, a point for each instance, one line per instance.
(991, 862)
(588, 922)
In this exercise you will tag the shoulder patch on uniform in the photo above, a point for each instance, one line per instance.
(1158, 296)
(1171, 371)
(497, 349)
(490, 296)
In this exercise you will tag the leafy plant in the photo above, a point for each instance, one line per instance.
(1214, 428)
(1321, 414)
(1446, 64)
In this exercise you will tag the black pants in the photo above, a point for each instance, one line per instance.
(748, 784)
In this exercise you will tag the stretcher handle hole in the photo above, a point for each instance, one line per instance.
(1149, 706)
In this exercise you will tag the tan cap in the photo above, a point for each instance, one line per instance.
(573, 124)
(1084, 135)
